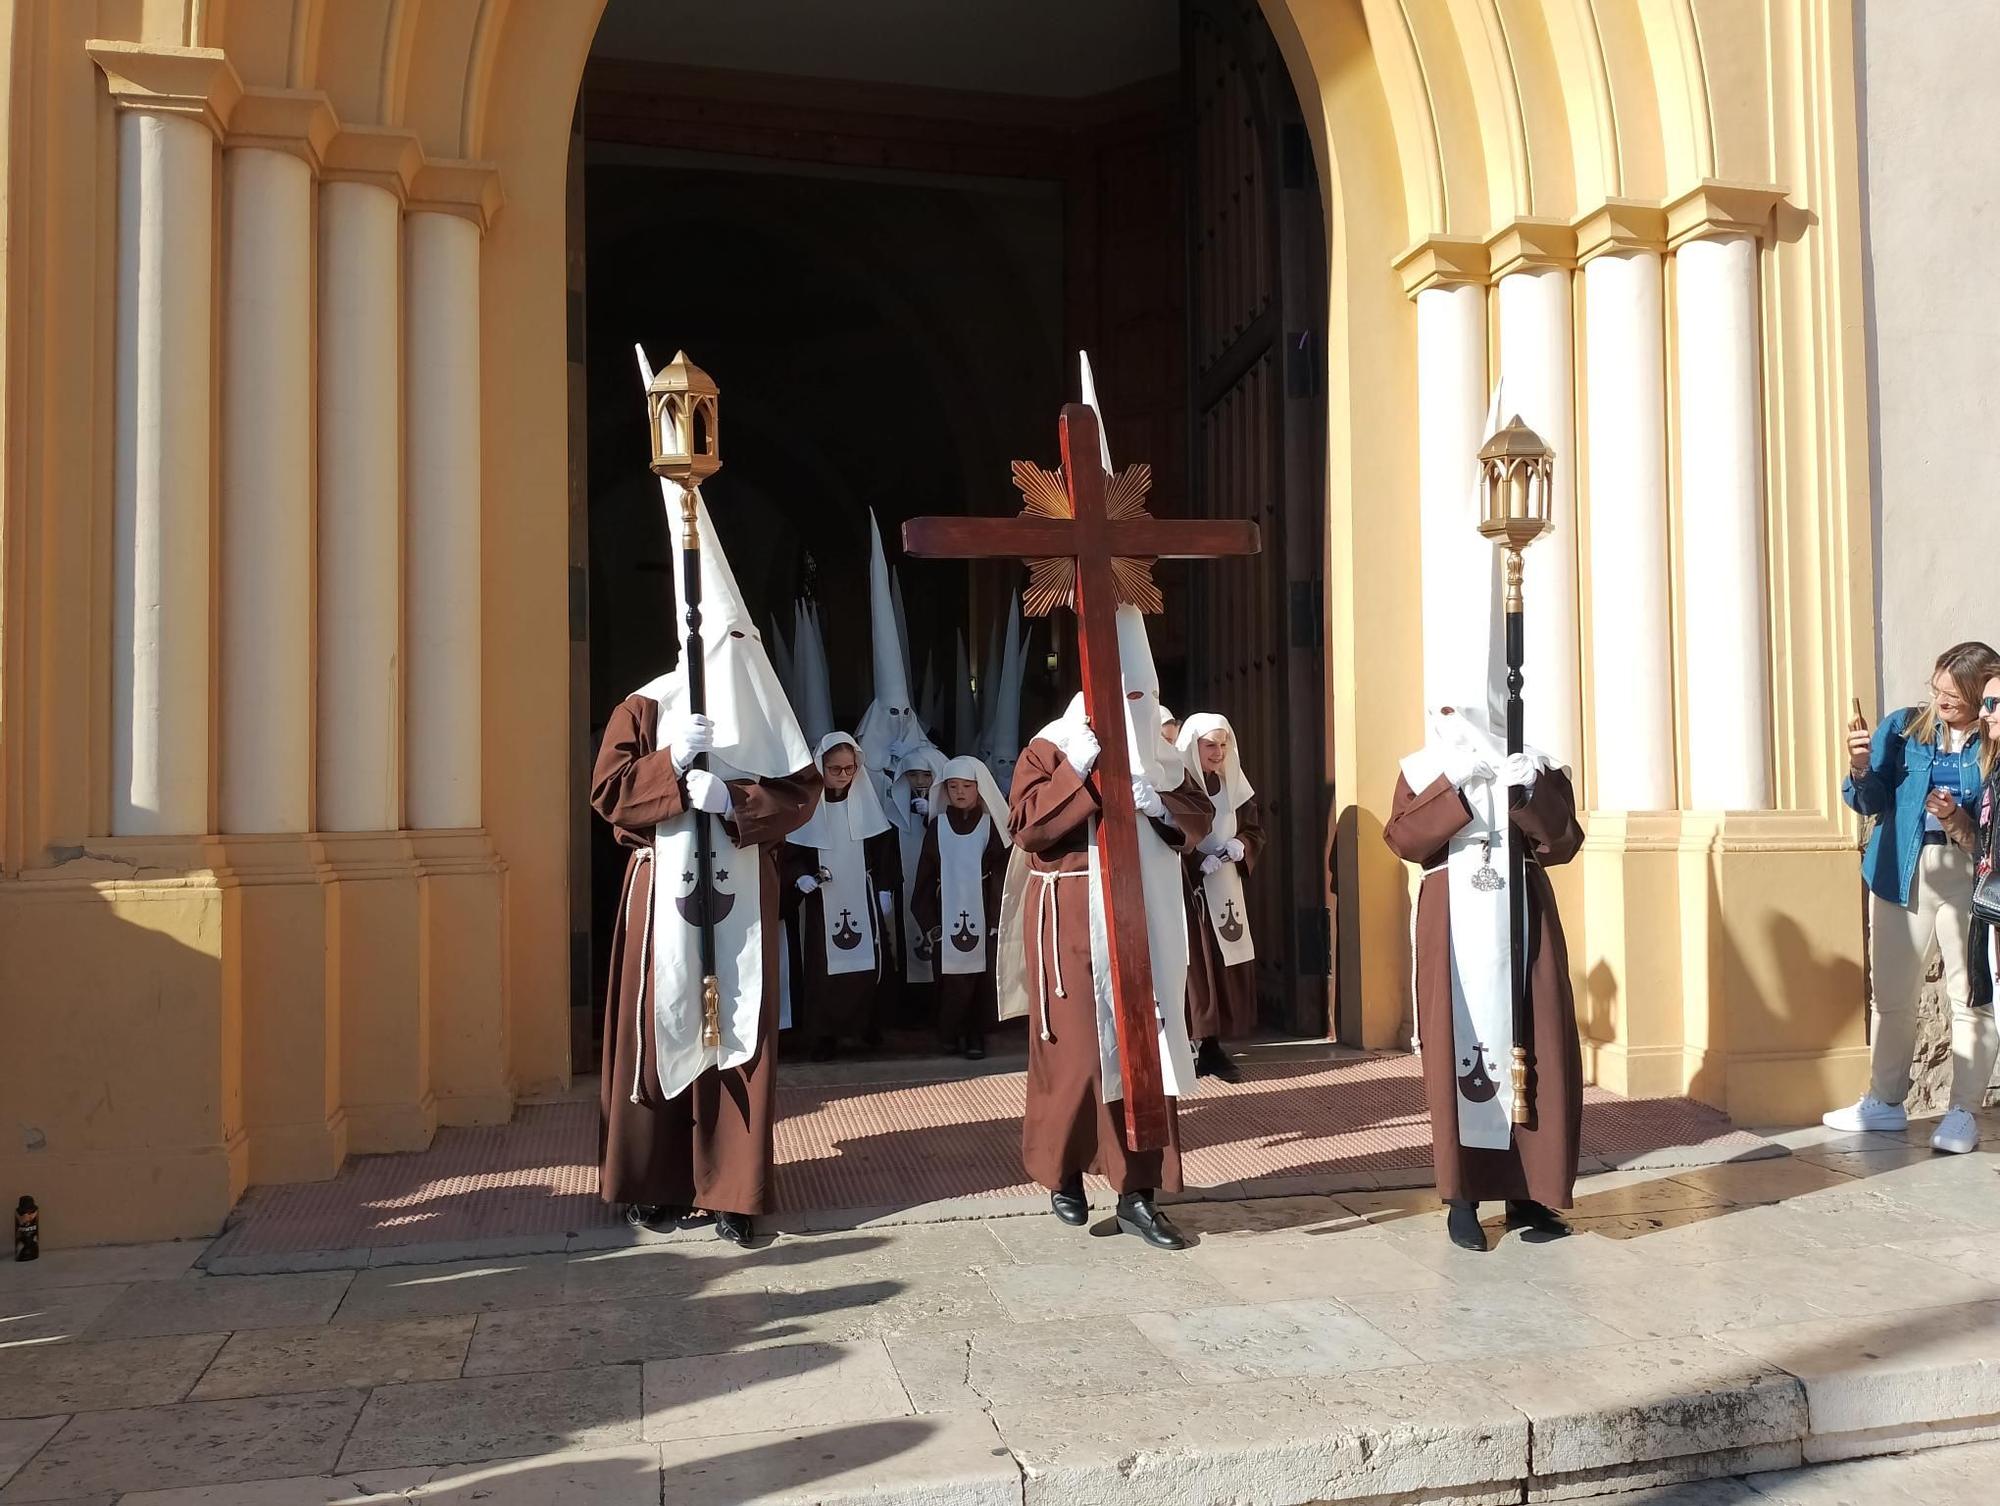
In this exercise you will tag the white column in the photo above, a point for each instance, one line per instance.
(265, 779)
(442, 713)
(360, 476)
(160, 529)
(1631, 644)
(1538, 375)
(1720, 456)
(1457, 562)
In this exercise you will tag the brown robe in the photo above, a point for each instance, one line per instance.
(1068, 1128)
(1541, 1163)
(966, 1002)
(710, 1145)
(828, 1006)
(1221, 1000)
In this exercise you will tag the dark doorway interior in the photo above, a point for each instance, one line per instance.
(888, 280)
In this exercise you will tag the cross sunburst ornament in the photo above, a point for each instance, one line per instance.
(1052, 580)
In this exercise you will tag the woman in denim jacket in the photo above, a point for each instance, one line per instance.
(1916, 776)
(1983, 837)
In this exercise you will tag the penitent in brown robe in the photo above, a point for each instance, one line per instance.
(1541, 1164)
(1068, 1127)
(828, 1006)
(966, 1003)
(1221, 1000)
(710, 1146)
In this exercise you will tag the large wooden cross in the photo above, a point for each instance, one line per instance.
(1089, 543)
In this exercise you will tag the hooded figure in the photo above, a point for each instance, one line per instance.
(1460, 801)
(1054, 903)
(890, 728)
(687, 1124)
(1222, 975)
(965, 711)
(913, 797)
(1004, 729)
(956, 899)
(811, 684)
(843, 883)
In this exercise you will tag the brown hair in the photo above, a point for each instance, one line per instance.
(1970, 664)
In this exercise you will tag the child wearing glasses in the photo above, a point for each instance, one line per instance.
(1920, 776)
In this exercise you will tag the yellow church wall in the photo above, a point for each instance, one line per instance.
(184, 1017)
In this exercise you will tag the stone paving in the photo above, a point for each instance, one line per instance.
(1714, 1336)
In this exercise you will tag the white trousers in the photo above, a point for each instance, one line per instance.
(1902, 941)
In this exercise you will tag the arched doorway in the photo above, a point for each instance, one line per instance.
(888, 258)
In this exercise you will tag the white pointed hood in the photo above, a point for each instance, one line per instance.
(1005, 733)
(756, 733)
(989, 692)
(1153, 758)
(814, 687)
(890, 726)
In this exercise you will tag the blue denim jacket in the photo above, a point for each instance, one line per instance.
(1893, 791)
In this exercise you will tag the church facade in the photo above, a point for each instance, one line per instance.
(285, 621)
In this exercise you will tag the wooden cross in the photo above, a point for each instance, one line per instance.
(1089, 544)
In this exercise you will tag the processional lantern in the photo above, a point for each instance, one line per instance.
(682, 406)
(1517, 474)
(682, 403)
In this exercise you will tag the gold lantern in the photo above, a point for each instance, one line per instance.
(682, 404)
(1516, 483)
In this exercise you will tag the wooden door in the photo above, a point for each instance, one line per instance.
(1257, 426)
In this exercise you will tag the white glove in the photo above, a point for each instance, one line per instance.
(1210, 864)
(691, 735)
(1233, 850)
(1519, 769)
(807, 883)
(1463, 767)
(919, 805)
(706, 792)
(1081, 749)
(1148, 800)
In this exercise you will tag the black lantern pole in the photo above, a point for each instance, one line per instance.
(681, 404)
(1516, 471)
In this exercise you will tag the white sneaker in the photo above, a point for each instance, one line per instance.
(1871, 1113)
(1957, 1134)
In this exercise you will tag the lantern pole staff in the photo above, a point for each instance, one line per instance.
(681, 409)
(1516, 473)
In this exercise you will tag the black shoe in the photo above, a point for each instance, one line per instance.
(655, 1216)
(1536, 1218)
(823, 1049)
(1462, 1224)
(734, 1227)
(1069, 1204)
(975, 1050)
(1212, 1061)
(1137, 1215)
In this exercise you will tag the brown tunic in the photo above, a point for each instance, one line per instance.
(1068, 1128)
(827, 1006)
(1222, 1000)
(1541, 1163)
(966, 1002)
(710, 1145)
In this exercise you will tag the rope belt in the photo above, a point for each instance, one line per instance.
(1054, 942)
(642, 856)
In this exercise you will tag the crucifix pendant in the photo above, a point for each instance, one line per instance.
(1486, 878)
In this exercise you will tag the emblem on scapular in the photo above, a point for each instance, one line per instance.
(1477, 1082)
(1230, 927)
(965, 938)
(710, 906)
(846, 934)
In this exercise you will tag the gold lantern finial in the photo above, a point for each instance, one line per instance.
(1516, 495)
(682, 403)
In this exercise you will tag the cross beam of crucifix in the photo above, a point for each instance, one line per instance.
(1099, 545)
